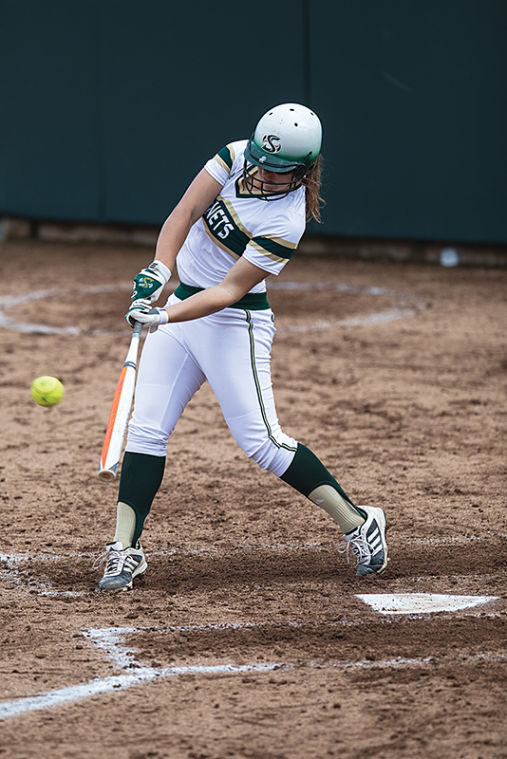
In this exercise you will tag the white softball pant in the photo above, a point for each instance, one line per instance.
(231, 349)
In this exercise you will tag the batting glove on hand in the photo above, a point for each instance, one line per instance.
(141, 311)
(149, 283)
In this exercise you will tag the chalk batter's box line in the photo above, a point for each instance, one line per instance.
(108, 640)
(415, 614)
(12, 561)
(251, 547)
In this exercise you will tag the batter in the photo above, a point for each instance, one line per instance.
(239, 222)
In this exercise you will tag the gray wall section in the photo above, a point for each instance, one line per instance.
(109, 108)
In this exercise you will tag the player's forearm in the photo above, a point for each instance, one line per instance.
(240, 279)
(206, 302)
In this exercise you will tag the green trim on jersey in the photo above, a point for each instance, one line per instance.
(252, 301)
(222, 224)
(279, 249)
(258, 387)
(225, 156)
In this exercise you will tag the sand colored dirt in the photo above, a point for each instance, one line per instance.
(395, 375)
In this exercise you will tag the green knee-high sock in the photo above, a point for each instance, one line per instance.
(141, 476)
(309, 476)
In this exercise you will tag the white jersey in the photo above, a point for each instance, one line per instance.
(237, 224)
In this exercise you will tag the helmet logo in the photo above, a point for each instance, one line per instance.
(271, 143)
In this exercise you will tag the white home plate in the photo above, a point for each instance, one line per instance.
(420, 603)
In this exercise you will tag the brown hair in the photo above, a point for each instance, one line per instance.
(314, 201)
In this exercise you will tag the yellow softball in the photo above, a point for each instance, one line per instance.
(47, 391)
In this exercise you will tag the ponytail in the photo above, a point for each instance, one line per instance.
(314, 201)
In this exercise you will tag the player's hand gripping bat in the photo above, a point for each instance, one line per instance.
(120, 411)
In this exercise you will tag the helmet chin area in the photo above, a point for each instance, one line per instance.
(274, 189)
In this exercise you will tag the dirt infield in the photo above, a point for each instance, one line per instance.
(247, 636)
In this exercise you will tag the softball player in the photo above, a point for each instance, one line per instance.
(239, 222)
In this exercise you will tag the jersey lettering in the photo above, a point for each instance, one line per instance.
(218, 221)
(222, 228)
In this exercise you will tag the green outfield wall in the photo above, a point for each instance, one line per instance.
(109, 108)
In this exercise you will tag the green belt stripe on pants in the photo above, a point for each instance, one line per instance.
(252, 301)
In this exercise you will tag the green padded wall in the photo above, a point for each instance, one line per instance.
(179, 81)
(413, 97)
(109, 108)
(49, 161)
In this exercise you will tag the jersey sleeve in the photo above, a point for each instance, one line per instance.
(221, 164)
(272, 251)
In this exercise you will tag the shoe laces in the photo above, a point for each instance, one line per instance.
(359, 546)
(110, 556)
(99, 560)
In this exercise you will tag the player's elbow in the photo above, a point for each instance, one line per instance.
(229, 293)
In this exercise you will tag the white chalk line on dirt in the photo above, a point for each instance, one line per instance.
(254, 625)
(248, 547)
(123, 657)
(10, 301)
(109, 640)
(382, 317)
(36, 585)
(12, 560)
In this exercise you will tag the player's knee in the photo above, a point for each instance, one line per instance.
(152, 441)
(274, 456)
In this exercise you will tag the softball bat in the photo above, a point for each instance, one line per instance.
(120, 411)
